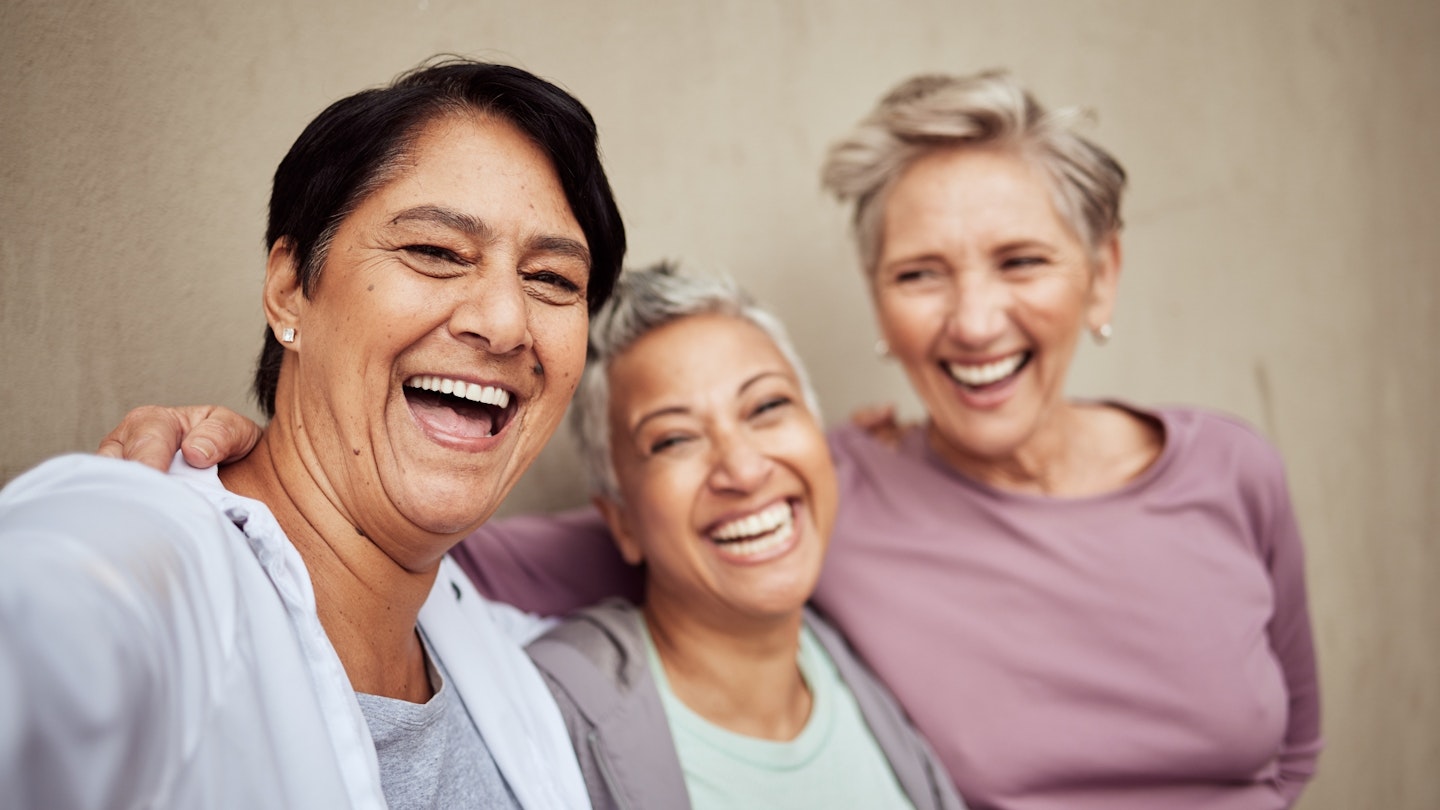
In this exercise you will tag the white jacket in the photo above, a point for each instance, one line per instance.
(152, 654)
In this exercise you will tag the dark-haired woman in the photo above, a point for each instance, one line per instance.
(288, 632)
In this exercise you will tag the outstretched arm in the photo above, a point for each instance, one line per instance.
(546, 564)
(206, 434)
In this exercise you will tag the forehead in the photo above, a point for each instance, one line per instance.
(979, 189)
(695, 357)
(480, 165)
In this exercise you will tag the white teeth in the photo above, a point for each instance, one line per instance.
(757, 528)
(488, 394)
(986, 373)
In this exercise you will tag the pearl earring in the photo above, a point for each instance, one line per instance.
(882, 349)
(1102, 334)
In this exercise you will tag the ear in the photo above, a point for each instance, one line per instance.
(282, 297)
(614, 515)
(1104, 283)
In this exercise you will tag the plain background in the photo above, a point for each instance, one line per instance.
(1281, 248)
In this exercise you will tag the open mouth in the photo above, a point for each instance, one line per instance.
(981, 376)
(758, 533)
(459, 409)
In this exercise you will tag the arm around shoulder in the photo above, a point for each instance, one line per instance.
(548, 564)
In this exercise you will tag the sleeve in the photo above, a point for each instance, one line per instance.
(1291, 639)
(548, 564)
(92, 624)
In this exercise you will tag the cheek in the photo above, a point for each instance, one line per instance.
(560, 344)
(910, 324)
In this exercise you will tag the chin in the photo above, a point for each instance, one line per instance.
(449, 511)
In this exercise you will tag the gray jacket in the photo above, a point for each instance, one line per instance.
(595, 665)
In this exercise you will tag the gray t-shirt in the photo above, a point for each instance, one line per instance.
(431, 754)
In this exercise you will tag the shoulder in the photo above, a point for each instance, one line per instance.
(1214, 439)
(861, 459)
(100, 483)
(77, 508)
(605, 641)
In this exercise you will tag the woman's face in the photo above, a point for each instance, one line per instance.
(727, 485)
(444, 338)
(982, 290)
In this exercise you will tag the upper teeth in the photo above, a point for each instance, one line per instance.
(488, 394)
(986, 373)
(761, 522)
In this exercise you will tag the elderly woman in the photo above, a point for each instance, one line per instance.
(1112, 599)
(702, 440)
(288, 633)
(1081, 604)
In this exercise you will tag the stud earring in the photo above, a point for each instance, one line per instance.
(882, 349)
(1102, 334)
(287, 335)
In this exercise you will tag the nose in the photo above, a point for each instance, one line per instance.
(493, 314)
(978, 308)
(741, 465)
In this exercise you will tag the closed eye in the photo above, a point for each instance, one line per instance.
(664, 443)
(1022, 262)
(914, 274)
(773, 404)
(432, 252)
(555, 280)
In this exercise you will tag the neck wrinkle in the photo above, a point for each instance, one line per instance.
(1038, 467)
(367, 603)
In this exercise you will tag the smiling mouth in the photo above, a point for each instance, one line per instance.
(978, 377)
(756, 534)
(459, 409)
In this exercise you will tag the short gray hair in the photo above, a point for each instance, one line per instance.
(932, 113)
(645, 300)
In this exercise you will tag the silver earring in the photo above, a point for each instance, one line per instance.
(287, 335)
(1102, 334)
(882, 349)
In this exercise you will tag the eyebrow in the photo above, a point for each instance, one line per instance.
(682, 410)
(449, 217)
(481, 231)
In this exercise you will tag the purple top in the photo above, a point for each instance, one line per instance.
(1149, 647)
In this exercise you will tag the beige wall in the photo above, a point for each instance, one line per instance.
(1283, 261)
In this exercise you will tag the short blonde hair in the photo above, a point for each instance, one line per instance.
(931, 113)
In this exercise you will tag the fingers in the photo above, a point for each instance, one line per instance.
(217, 435)
(872, 417)
(879, 422)
(149, 434)
(206, 434)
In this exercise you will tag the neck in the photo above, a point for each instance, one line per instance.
(367, 602)
(742, 675)
(1080, 450)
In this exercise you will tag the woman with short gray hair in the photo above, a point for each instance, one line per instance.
(709, 465)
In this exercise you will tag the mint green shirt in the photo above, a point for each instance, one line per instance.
(833, 762)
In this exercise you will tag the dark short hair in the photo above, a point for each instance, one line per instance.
(355, 146)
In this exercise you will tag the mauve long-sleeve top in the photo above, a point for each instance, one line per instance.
(1145, 648)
